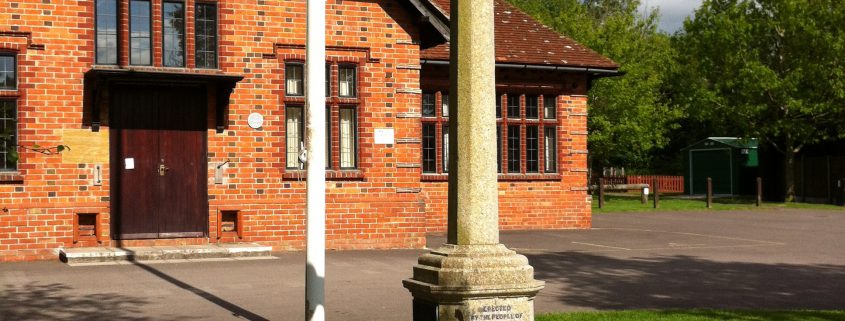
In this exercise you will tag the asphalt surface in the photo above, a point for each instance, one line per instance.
(778, 259)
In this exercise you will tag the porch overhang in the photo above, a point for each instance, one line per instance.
(98, 82)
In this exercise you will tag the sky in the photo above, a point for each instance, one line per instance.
(672, 12)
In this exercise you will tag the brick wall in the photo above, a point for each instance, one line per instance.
(382, 204)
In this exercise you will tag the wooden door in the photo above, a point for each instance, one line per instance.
(159, 162)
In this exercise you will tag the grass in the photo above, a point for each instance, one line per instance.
(697, 315)
(630, 203)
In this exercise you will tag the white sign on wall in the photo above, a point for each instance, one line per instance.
(384, 136)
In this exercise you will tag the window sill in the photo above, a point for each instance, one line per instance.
(530, 177)
(344, 100)
(9, 93)
(430, 177)
(11, 178)
(335, 175)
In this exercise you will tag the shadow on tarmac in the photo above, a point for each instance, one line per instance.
(231, 307)
(682, 282)
(55, 301)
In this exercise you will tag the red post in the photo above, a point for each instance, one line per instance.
(709, 192)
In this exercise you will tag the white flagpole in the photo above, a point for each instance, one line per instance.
(315, 143)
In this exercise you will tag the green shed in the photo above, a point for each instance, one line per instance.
(730, 161)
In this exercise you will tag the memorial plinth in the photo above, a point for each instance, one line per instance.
(473, 277)
(473, 282)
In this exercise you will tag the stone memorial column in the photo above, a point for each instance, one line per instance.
(473, 277)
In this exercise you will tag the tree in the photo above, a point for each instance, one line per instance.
(630, 116)
(771, 69)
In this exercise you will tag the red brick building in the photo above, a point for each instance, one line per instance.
(184, 119)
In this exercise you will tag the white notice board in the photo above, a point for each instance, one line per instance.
(384, 136)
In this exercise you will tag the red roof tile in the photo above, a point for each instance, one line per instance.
(521, 39)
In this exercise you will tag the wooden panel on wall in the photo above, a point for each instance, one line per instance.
(86, 147)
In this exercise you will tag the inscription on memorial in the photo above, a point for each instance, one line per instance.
(496, 312)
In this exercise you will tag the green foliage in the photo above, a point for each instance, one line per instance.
(630, 116)
(771, 69)
(50, 150)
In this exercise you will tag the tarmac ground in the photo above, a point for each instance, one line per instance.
(763, 259)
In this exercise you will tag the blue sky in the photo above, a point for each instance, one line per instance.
(672, 12)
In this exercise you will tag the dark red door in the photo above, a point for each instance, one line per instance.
(159, 168)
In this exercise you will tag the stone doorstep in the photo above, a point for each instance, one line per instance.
(158, 253)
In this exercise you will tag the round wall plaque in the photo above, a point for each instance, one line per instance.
(255, 120)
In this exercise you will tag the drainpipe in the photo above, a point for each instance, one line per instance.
(315, 103)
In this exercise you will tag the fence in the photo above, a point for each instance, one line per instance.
(668, 184)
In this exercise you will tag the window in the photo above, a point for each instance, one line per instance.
(139, 33)
(173, 28)
(347, 137)
(446, 148)
(294, 79)
(171, 16)
(444, 111)
(513, 149)
(8, 77)
(550, 150)
(499, 105)
(531, 106)
(206, 35)
(294, 125)
(532, 146)
(346, 81)
(513, 106)
(429, 145)
(345, 142)
(435, 112)
(526, 139)
(530, 141)
(328, 82)
(428, 105)
(444, 105)
(498, 149)
(295, 136)
(8, 114)
(549, 107)
(106, 26)
(8, 135)
(328, 138)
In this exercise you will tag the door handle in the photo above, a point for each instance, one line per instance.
(162, 169)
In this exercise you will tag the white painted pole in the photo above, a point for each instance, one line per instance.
(315, 143)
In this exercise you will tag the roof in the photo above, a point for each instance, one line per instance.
(522, 40)
(735, 142)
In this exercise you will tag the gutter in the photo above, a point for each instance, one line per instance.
(594, 72)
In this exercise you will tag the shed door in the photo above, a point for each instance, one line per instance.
(159, 160)
(713, 163)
